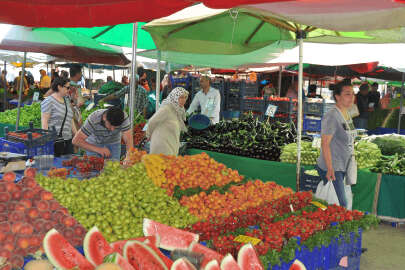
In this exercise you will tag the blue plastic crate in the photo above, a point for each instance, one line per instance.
(30, 151)
(312, 125)
(282, 106)
(250, 89)
(256, 105)
(230, 114)
(309, 182)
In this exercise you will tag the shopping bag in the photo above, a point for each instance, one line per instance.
(351, 172)
(349, 197)
(354, 111)
(327, 193)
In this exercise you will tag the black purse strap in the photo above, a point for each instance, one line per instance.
(64, 119)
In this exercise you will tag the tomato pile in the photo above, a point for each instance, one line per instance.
(24, 136)
(85, 165)
(238, 198)
(138, 133)
(27, 212)
(58, 172)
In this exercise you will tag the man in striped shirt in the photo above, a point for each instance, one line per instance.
(101, 133)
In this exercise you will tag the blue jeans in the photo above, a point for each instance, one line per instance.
(115, 150)
(361, 123)
(338, 184)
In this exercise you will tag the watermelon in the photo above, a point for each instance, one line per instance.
(118, 259)
(297, 265)
(164, 258)
(229, 263)
(63, 255)
(96, 247)
(142, 257)
(170, 238)
(182, 264)
(248, 259)
(212, 265)
(208, 253)
(118, 246)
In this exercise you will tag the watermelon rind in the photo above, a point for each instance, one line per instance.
(118, 246)
(47, 244)
(228, 262)
(297, 265)
(182, 264)
(118, 259)
(95, 259)
(147, 248)
(212, 265)
(247, 258)
(166, 232)
(209, 254)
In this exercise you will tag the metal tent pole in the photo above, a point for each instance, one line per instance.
(300, 37)
(280, 75)
(113, 69)
(21, 90)
(5, 87)
(402, 102)
(133, 75)
(157, 92)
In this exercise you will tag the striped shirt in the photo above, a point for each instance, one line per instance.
(57, 111)
(98, 134)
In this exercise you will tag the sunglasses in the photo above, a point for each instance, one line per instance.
(67, 87)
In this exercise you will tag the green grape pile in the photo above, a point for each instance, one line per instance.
(117, 201)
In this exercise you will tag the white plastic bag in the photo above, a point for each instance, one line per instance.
(327, 193)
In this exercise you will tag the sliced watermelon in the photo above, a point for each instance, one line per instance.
(248, 259)
(208, 253)
(212, 265)
(297, 265)
(229, 263)
(63, 255)
(118, 259)
(96, 247)
(118, 246)
(164, 258)
(141, 256)
(182, 264)
(170, 238)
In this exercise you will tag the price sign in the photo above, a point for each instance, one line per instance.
(247, 239)
(35, 97)
(271, 110)
(403, 110)
(316, 143)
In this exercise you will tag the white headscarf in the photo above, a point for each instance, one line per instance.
(173, 99)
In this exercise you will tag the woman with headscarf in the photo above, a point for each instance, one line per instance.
(166, 124)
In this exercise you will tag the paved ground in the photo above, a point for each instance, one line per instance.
(386, 248)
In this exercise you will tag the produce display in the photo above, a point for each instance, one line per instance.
(367, 154)
(309, 154)
(394, 165)
(391, 144)
(240, 197)
(24, 136)
(31, 113)
(85, 165)
(139, 134)
(117, 200)
(246, 136)
(27, 212)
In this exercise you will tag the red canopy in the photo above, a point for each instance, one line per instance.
(90, 13)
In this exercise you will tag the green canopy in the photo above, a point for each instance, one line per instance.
(201, 30)
(119, 35)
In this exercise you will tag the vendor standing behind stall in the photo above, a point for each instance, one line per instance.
(209, 100)
(101, 133)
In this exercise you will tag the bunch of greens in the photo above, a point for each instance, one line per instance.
(309, 154)
(367, 154)
(28, 114)
(394, 165)
(390, 145)
(86, 113)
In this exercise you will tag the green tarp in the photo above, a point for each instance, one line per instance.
(391, 201)
(284, 174)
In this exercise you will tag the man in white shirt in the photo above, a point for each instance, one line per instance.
(209, 99)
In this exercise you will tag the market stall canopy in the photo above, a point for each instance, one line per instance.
(202, 30)
(119, 35)
(368, 70)
(222, 60)
(13, 56)
(89, 13)
(339, 15)
(339, 54)
(59, 43)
